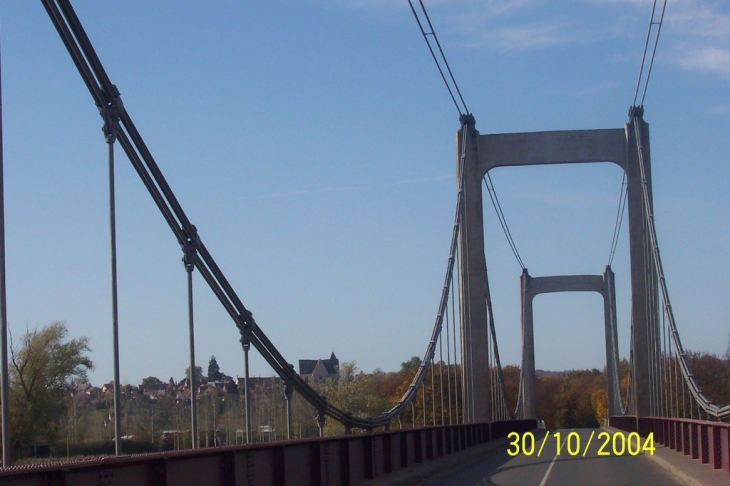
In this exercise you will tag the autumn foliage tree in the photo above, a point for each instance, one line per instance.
(712, 375)
(511, 376)
(42, 368)
(437, 400)
(354, 392)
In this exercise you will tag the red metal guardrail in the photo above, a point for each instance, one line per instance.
(343, 460)
(706, 441)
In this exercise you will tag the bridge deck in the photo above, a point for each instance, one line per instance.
(490, 464)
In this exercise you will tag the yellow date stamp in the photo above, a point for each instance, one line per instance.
(609, 443)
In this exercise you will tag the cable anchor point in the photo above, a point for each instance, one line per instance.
(288, 389)
(636, 112)
(110, 115)
(321, 419)
(468, 120)
(190, 249)
(245, 340)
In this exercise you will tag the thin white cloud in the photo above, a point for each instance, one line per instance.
(709, 59)
(472, 23)
(534, 36)
(594, 89)
(700, 36)
(699, 19)
(695, 34)
(489, 8)
(275, 195)
(304, 192)
(338, 189)
(720, 110)
(561, 198)
(422, 180)
(506, 25)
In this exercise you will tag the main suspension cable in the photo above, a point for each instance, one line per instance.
(502, 220)
(432, 33)
(649, 32)
(619, 219)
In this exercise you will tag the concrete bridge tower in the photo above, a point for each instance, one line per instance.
(485, 152)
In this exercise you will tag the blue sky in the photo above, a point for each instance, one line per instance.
(312, 144)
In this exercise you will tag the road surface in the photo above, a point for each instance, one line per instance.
(596, 457)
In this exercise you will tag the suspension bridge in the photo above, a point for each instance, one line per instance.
(460, 374)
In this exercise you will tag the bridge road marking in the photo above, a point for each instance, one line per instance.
(547, 473)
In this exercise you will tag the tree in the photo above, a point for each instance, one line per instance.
(42, 369)
(214, 371)
(551, 400)
(511, 375)
(198, 374)
(711, 373)
(354, 392)
(410, 365)
(151, 380)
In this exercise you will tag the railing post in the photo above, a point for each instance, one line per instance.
(694, 435)
(405, 439)
(417, 447)
(713, 447)
(278, 475)
(704, 444)
(369, 463)
(315, 463)
(724, 449)
(387, 453)
(429, 443)
(345, 462)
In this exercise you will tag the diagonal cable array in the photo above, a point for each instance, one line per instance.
(107, 99)
(106, 96)
(670, 368)
(500, 407)
(672, 334)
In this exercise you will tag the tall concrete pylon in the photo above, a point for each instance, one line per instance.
(473, 283)
(485, 152)
(531, 287)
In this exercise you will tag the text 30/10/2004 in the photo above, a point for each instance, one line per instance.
(617, 444)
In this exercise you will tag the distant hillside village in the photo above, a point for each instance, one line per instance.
(312, 370)
(155, 415)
